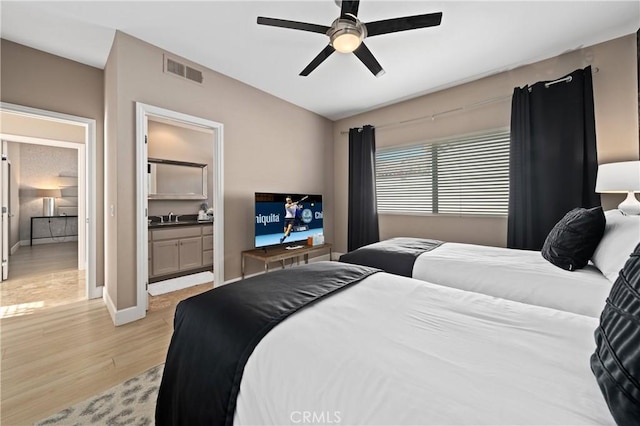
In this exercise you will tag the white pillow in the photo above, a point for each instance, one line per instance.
(621, 236)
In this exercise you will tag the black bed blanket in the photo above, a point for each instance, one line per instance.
(216, 332)
(395, 255)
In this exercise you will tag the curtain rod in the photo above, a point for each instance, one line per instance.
(565, 79)
(560, 80)
(465, 107)
(438, 114)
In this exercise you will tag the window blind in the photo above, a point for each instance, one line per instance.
(461, 175)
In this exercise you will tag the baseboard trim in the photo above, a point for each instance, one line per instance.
(179, 283)
(47, 241)
(96, 293)
(233, 280)
(111, 308)
(15, 247)
(322, 258)
(122, 316)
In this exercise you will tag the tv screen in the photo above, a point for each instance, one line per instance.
(286, 218)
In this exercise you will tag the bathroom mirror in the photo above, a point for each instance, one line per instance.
(176, 180)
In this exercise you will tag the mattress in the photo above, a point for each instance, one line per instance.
(519, 275)
(395, 350)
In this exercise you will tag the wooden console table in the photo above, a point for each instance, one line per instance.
(280, 254)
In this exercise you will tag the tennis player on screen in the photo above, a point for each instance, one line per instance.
(290, 210)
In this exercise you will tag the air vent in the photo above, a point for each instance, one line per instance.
(194, 75)
(171, 66)
(174, 67)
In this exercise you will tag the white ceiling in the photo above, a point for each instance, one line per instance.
(476, 39)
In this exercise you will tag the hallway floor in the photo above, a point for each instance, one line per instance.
(42, 276)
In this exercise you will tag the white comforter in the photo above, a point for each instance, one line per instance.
(520, 275)
(394, 350)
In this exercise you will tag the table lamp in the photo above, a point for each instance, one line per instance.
(48, 200)
(622, 177)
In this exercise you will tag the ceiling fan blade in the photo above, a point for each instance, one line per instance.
(403, 24)
(326, 52)
(294, 25)
(364, 54)
(349, 8)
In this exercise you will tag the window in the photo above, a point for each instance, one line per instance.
(462, 175)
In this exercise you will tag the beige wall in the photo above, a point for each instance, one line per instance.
(37, 79)
(170, 142)
(21, 125)
(616, 108)
(40, 168)
(269, 145)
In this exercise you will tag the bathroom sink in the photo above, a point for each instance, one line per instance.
(184, 223)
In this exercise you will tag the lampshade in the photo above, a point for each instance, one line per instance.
(48, 200)
(48, 193)
(621, 177)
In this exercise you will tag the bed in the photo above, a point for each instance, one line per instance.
(374, 348)
(519, 275)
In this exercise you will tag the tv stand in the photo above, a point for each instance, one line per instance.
(280, 254)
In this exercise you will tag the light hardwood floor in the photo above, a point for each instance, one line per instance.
(40, 277)
(54, 357)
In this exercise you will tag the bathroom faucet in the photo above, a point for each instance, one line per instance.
(170, 216)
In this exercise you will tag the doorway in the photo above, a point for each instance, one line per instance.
(40, 228)
(214, 136)
(70, 222)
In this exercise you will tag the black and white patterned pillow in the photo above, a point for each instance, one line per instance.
(616, 361)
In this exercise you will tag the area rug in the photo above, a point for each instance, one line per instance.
(130, 403)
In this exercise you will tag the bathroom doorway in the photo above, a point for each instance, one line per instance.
(212, 132)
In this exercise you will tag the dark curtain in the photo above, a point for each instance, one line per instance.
(553, 162)
(363, 209)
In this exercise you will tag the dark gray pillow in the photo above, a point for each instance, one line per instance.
(616, 361)
(572, 241)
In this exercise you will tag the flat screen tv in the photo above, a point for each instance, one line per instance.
(286, 219)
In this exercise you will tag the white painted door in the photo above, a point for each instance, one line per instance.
(5, 213)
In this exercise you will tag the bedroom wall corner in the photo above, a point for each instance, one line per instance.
(110, 185)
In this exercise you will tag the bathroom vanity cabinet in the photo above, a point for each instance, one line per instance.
(177, 251)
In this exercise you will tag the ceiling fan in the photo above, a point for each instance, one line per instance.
(347, 33)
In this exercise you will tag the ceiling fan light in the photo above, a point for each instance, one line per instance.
(346, 41)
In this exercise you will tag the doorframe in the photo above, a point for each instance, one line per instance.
(143, 111)
(6, 203)
(87, 240)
